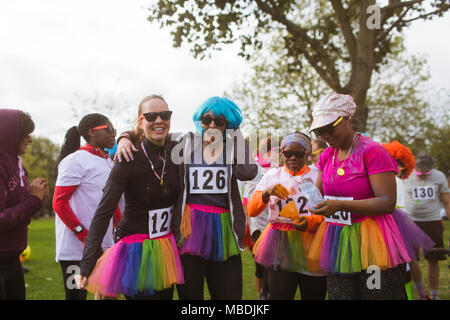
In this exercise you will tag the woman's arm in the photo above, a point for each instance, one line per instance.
(385, 195)
(255, 204)
(245, 168)
(19, 214)
(115, 186)
(319, 182)
(61, 205)
(125, 146)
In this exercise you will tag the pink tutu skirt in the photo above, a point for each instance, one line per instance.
(385, 241)
(137, 264)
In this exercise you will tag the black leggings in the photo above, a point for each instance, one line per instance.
(69, 270)
(361, 286)
(224, 279)
(166, 294)
(283, 285)
(12, 282)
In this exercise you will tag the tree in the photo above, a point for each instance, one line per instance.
(112, 104)
(274, 95)
(344, 41)
(40, 161)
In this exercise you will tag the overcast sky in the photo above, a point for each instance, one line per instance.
(53, 51)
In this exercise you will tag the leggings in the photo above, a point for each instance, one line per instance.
(224, 279)
(283, 285)
(366, 286)
(12, 282)
(166, 294)
(69, 270)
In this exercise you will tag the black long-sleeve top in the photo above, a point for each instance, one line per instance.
(143, 192)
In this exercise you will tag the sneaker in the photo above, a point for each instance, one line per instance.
(434, 297)
(424, 297)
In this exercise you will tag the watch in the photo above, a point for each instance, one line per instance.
(78, 229)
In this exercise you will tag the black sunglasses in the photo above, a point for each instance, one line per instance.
(219, 121)
(297, 154)
(151, 116)
(328, 129)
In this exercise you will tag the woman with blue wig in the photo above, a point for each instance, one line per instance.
(209, 219)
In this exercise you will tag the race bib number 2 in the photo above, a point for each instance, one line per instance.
(341, 217)
(159, 222)
(208, 180)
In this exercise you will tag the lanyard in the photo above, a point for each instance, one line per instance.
(161, 178)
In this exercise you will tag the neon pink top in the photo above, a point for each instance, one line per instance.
(367, 158)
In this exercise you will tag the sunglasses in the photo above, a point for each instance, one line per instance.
(151, 116)
(297, 154)
(328, 129)
(219, 121)
(108, 129)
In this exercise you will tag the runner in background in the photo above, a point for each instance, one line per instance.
(267, 157)
(425, 189)
(82, 175)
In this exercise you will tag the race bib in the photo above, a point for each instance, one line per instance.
(300, 202)
(159, 222)
(341, 217)
(211, 180)
(424, 193)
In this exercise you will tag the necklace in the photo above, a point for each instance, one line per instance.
(340, 171)
(161, 178)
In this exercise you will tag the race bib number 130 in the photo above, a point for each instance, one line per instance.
(423, 193)
(341, 217)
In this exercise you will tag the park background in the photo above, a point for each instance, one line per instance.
(62, 59)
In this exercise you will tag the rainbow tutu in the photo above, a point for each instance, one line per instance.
(385, 241)
(137, 264)
(282, 247)
(211, 235)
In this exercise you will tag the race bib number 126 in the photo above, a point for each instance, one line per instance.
(208, 180)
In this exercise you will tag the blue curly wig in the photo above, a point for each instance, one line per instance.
(220, 106)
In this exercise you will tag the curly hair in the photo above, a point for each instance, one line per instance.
(403, 155)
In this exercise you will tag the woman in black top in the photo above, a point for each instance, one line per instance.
(144, 262)
(209, 219)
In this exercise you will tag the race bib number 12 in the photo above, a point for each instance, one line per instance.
(341, 217)
(159, 222)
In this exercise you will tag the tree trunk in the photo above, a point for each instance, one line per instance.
(362, 66)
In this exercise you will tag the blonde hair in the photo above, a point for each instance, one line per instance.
(138, 132)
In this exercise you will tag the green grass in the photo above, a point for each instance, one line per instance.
(44, 280)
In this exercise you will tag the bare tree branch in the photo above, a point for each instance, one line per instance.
(344, 23)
